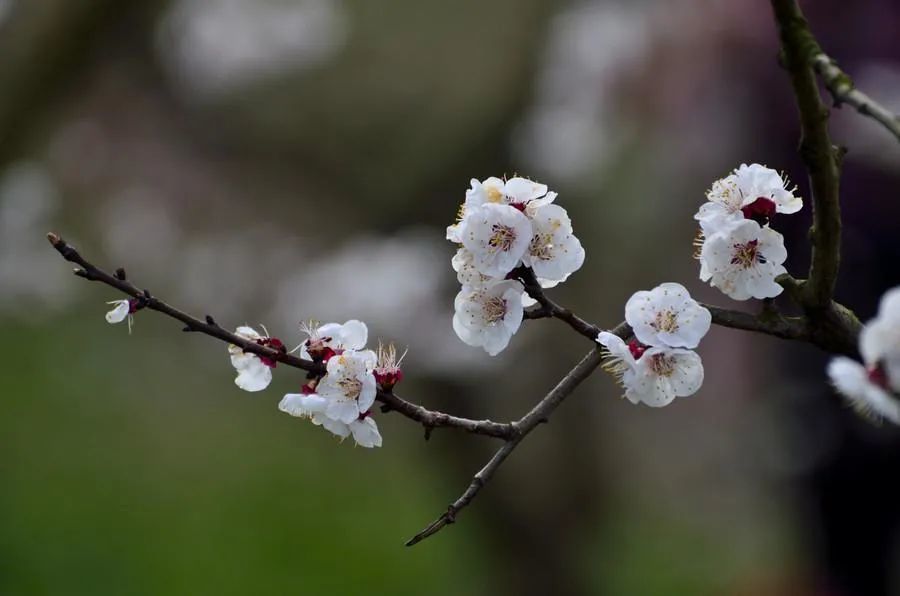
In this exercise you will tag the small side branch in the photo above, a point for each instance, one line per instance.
(428, 418)
(842, 90)
(536, 416)
(431, 419)
(798, 48)
(547, 308)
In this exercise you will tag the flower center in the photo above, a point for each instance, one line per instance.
(494, 310)
(350, 387)
(746, 255)
(662, 365)
(273, 343)
(666, 321)
(494, 195)
(636, 348)
(878, 376)
(761, 210)
(502, 237)
(541, 247)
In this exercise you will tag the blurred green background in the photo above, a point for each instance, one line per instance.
(272, 161)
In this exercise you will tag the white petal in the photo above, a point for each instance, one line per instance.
(687, 377)
(302, 405)
(345, 410)
(333, 426)
(119, 313)
(367, 394)
(248, 333)
(254, 377)
(522, 190)
(354, 335)
(365, 432)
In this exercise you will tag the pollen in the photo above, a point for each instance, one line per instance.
(502, 237)
(662, 365)
(494, 195)
(666, 321)
(350, 387)
(541, 247)
(746, 255)
(494, 310)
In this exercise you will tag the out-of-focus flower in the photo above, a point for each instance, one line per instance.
(667, 316)
(487, 316)
(873, 388)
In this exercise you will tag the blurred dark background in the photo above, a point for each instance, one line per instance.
(272, 161)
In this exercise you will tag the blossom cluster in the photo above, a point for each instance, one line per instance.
(658, 364)
(339, 400)
(504, 225)
(740, 254)
(873, 388)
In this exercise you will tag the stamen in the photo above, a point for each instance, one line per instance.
(494, 310)
(747, 255)
(662, 365)
(502, 237)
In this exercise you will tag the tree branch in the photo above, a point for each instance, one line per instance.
(428, 418)
(842, 90)
(799, 47)
(536, 416)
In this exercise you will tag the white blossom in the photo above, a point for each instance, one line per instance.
(522, 193)
(753, 190)
(253, 373)
(487, 316)
(497, 236)
(867, 396)
(743, 260)
(667, 316)
(349, 385)
(554, 252)
(332, 338)
(312, 406)
(652, 375)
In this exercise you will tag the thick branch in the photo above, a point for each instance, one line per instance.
(799, 47)
(842, 90)
(428, 418)
(768, 323)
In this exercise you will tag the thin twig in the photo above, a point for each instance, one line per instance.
(821, 158)
(536, 416)
(428, 418)
(842, 90)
